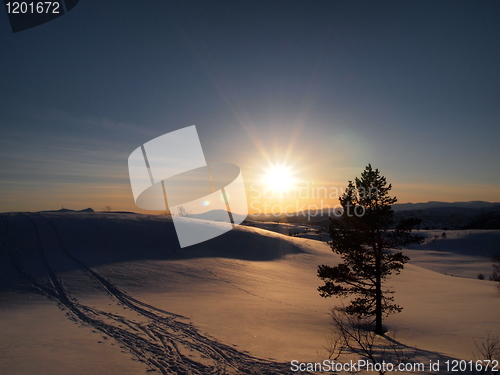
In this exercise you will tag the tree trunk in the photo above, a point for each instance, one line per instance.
(378, 292)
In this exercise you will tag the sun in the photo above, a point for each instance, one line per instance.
(279, 178)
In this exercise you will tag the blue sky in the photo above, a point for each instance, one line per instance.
(324, 87)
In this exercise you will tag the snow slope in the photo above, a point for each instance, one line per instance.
(248, 296)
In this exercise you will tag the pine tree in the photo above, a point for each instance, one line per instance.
(366, 238)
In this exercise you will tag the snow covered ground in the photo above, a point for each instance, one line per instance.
(126, 299)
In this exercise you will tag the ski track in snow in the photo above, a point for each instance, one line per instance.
(165, 342)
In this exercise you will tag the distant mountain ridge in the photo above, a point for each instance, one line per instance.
(438, 204)
(456, 215)
(434, 215)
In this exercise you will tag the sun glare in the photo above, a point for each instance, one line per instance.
(279, 178)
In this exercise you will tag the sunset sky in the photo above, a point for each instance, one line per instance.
(318, 88)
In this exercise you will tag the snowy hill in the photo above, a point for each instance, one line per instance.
(125, 299)
(217, 215)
